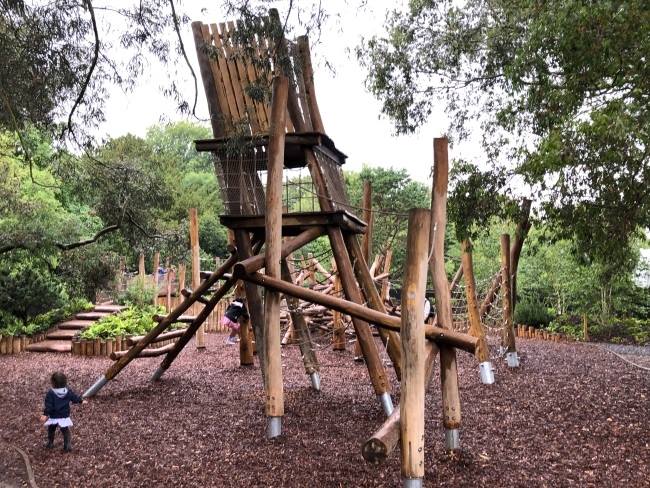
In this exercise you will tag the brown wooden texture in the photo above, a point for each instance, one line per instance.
(200, 318)
(154, 275)
(255, 263)
(368, 217)
(523, 226)
(273, 248)
(412, 385)
(506, 291)
(196, 270)
(381, 444)
(141, 269)
(301, 330)
(442, 336)
(310, 90)
(475, 326)
(338, 333)
(170, 319)
(385, 285)
(390, 339)
(448, 367)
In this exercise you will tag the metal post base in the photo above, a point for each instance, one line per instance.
(412, 482)
(92, 391)
(158, 373)
(386, 403)
(315, 381)
(273, 427)
(513, 359)
(452, 439)
(487, 372)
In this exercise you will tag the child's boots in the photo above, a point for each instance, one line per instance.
(67, 447)
(51, 430)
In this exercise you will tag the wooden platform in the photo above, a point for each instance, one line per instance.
(294, 144)
(294, 223)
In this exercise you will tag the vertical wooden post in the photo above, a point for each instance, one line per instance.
(585, 328)
(196, 271)
(475, 326)
(506, 290)
(168, 287)
(523, 226)
(368, 216)
(448, 368)
(273, 225)
(413, 355)
(181, 282)
(338, 332)
(141, 270)
(385, 286)
(245, 334)
(154, 276)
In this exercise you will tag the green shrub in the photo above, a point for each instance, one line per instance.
(532, 313)
(10, 325)
(139, 294)
(27, 289)
(617, 330)
(132, 321)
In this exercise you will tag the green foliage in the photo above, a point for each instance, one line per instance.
(132, 321)
(532, 313)
(27, 289)
(617, 330)
(10, 325)
(139, 293)
(560, 92)
(87, 270)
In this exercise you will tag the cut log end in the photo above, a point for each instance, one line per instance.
(374, 451)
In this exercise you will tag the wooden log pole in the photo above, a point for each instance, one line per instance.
(441, 336)
(196, 270)
(476, 328)
(121, 363)
(257, 262)
(302, 335)
(390, 339)
(338, 329)
(448, 368)
(154, 276)
(141, 269)
(245, 333)
(273, 229)
(192, 328)
(506, 291)
(412, 384)
(368, 216)
(523, 226)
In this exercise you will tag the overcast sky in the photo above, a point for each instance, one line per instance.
(350, 114)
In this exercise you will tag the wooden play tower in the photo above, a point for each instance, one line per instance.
(266, 121)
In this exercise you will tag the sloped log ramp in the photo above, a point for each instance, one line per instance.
(145, 353)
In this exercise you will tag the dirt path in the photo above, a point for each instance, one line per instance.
(573, 415)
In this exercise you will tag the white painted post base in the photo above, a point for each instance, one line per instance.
(513, 359)
(273, 427)
(487, 372)
(315, 381)
(452, 439)
(412, 482)
(93, 390)
(386, 403)
(158, 373)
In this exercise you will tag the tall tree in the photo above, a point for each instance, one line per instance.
(561, 90)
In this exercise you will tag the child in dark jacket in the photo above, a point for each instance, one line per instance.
(57, 410)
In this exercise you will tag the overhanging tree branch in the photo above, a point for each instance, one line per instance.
(104, 231)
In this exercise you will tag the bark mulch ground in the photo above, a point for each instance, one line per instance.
(572, 415)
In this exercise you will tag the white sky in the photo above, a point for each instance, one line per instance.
(350, 113)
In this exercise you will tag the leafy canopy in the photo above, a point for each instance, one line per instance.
(559, 89)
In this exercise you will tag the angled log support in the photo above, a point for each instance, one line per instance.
(158, 329)
(506, 290)
(191, 330)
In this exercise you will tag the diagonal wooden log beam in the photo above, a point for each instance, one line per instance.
(121, 363)
(257, 262)
(441, 336)
(189, 332)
